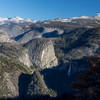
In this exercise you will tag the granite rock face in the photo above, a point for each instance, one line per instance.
(15, 51)
(42, 53)
(10, 70)
(12, 49)
(17, 80)
(4, 37)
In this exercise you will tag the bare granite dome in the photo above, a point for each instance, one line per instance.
(42, 53)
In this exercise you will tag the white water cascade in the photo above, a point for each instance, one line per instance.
(69, 69)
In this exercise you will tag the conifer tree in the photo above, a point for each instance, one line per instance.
(88, 86)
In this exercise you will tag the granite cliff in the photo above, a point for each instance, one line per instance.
(42, 53)
(18, 77)
(10, 70)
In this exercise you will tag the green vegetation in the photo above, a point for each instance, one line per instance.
(9, 65)
(11, 50)
(10, 70)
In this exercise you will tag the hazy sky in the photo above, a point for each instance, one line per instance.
(48, 9)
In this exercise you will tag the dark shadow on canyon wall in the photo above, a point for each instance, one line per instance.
(59, 80)
(24, 80)
(52, 34)
(63, 97)
(56, 78)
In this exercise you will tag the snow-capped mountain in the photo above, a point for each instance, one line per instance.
(16, 26)
(28, 20)
(15, 20)
(74, 19)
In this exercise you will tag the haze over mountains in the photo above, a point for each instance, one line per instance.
(44, 57)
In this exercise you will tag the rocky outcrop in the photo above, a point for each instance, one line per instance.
(4, 37)
(42, 53)
(10, 70)
(15, 51)
(49, 29)
(17, 80)
(24, 58)
(12, 49)
(36, 85)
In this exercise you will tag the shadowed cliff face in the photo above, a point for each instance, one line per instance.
(59, 78)
(31, 85)
(16, 80)
(42, 53)
(27, 36)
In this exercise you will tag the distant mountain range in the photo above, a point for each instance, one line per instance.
(15, 20)
(4, 20)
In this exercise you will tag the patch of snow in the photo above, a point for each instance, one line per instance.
(62, 20)
(84, 17)
(98, 16)
(15, 20)
(71, 19)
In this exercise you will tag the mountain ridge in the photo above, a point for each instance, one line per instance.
(17, 19)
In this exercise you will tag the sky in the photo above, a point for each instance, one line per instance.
(48, 9)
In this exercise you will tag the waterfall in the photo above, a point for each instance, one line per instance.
(69, 69)
(42, 54)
